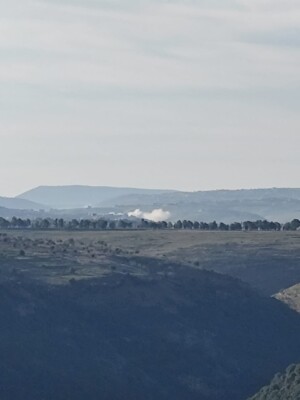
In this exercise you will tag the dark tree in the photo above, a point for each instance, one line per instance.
(235, 226)
(196, 225)
(178, 225)
(213, 226)
(223, 227)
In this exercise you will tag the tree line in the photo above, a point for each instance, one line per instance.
(143, 224)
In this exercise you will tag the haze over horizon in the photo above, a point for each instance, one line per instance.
(188, 95)
(153, 188)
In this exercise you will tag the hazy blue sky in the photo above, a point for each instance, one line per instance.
(195, 94)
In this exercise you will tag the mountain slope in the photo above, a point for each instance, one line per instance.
(20, 204)
(166, 332)
(284, 386)
(222, 205)
(79, 196)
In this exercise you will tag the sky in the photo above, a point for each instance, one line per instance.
(190, 95)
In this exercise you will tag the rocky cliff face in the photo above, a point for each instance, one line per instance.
(290, 296)
(284, 386)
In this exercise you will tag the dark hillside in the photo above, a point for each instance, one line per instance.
(169, 333)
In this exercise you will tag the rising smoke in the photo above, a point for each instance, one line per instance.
(155, 215)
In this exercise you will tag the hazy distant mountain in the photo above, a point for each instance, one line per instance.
(81, 196)
(210, 195)
(9, 213)
(19, 204)
(220, 205)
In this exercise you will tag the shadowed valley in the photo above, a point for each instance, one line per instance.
(138, 315)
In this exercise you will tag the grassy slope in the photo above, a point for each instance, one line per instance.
(268, 261)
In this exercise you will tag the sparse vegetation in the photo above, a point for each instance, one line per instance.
(265, 260)
(290, 296)
(284, 386)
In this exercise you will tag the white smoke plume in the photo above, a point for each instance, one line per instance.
(155, 215)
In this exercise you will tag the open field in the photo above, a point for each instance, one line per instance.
(269, 261)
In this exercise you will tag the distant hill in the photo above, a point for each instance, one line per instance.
(214, 195)
(20, 204)
(221, 205)
(80, 196)
(9, 213)
(284, 386)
